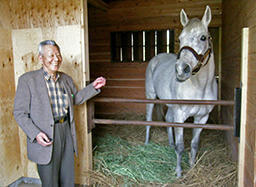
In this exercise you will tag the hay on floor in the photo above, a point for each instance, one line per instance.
(115, 156)
(120, 157)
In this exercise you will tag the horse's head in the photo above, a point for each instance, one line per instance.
(195, 45)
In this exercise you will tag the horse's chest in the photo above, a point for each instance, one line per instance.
(195, 110)
(189, 91)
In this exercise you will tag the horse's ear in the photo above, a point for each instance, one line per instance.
(183, 18)
(207, 16)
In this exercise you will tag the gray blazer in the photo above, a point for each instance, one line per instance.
(33, 113)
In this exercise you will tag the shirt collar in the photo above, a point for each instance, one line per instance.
(47, 76)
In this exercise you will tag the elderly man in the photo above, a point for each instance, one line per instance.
(43, 108)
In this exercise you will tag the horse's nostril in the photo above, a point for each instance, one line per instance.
(176, 70)
(187, 69)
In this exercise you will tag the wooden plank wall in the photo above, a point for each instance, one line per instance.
(236, 15)
(10, 160)
(23, 24)
(127, 79)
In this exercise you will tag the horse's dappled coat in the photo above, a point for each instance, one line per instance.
(169, 77)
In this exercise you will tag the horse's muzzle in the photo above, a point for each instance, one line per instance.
(183, 72)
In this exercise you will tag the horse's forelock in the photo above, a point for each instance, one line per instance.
(193, 24)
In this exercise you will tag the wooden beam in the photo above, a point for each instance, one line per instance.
(99, 4)
(87, 140)
(244, 126)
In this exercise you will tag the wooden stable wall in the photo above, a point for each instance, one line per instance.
(23, 24)
(126, 80)
(10, 159)
(236, 15)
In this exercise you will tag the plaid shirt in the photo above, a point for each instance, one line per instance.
(57, 95)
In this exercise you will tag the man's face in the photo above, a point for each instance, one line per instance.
(51, 59)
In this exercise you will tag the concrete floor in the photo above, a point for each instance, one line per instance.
(39, 185)
(29, 185)
(31, 182)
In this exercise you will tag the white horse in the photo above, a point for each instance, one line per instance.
(188, 75)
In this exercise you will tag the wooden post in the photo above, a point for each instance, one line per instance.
(85, 64)
(244, 80)
(219, 73)
(90, 115)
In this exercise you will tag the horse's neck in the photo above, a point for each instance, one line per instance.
(202, 79)
(206, 73)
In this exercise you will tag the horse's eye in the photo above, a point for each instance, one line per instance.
(203, 38)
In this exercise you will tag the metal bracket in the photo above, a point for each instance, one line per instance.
(237, 111)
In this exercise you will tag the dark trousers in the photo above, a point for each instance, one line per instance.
(60, 171)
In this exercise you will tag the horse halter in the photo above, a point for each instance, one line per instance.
(200, 57)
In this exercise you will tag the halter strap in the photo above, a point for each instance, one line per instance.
(200, 58)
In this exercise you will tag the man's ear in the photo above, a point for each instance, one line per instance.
(40, 58)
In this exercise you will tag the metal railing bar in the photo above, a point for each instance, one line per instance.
(163, 101)
(163, 124)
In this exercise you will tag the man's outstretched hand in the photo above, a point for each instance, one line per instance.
(99, 82)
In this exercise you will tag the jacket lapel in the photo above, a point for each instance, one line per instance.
(65, 86)
(44, 90)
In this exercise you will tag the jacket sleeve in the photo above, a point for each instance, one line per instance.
(83, 95)
(22, 110)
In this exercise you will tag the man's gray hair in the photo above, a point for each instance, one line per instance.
(47, 42)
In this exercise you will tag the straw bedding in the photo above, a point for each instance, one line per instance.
(120, 158)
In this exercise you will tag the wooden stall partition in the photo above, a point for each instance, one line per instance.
(10, 159)
(247, 147)
(236, 15)
(251, 102)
